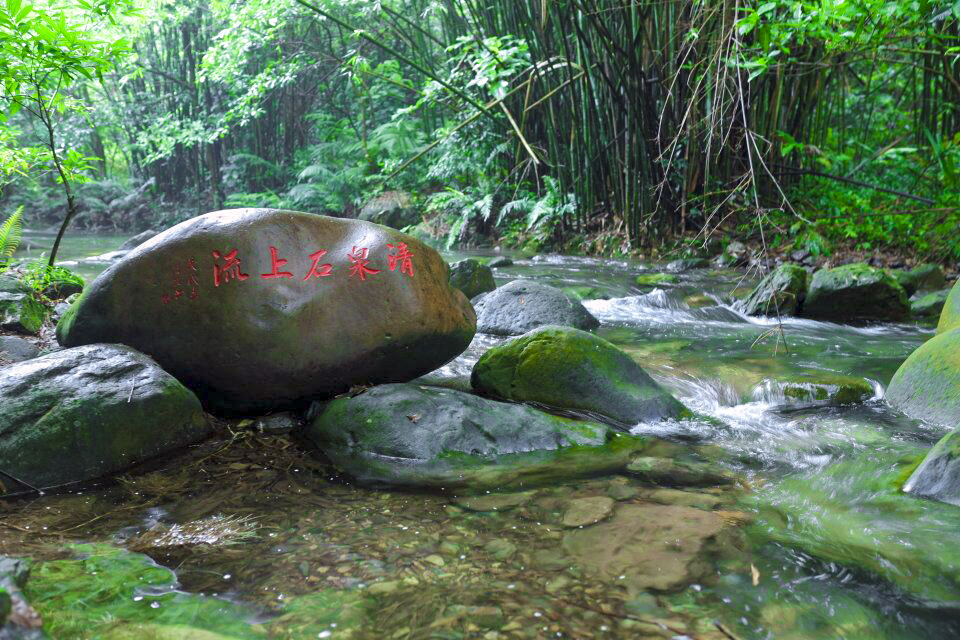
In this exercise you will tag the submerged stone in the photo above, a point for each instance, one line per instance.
(20, 309)
(410, 435)
(646, 546)
(582, 512)
(950, 314)
(82, 413)
(101, 591)
(938, 476)
(667, 471)
(927, 384)
(571, 369)
(855, 293)
(651, 280)
(781, 292)
(258, 309)
(522, 305)
(471, 277)
(814, 387)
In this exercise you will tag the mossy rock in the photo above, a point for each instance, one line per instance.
(950, 314)
(109, 406)
(650, 280)
(472, 277)
(927, 384)
(685, 264)
(20, 308)
(781, 292)
(423, 437)
(586, 293)
(571, 369)
(938, 476)
(929, 305)
(816, 387)
(923, 277)
(522, 305)
(855, 293)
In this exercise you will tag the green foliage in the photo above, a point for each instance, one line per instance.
(11, 232)
(40, 276)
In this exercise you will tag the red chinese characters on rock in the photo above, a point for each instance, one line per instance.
(226, 267)
(358, 263)
(229, 269)
(401, 256)
(184, 282)
(275, 264)
(318, 270)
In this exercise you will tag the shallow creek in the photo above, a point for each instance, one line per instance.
(281, 546)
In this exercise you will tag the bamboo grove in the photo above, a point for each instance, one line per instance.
(641, 120)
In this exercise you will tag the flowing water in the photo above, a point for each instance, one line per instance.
(832, 550)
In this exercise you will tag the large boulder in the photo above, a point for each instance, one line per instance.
(411, 435)
(522, 305)
(950, 314)
(259, 308)
(392, 209)
(20, 308)
(927, 384)
(572, 369)
(855, 293)
(781, 292)
(472, 277)
(82, 413)
(938, 476)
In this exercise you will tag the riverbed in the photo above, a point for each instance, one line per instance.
(830, 548)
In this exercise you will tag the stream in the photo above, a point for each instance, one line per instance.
(832, 549)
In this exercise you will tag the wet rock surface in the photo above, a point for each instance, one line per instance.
(855, 293)
(657, 547)
(522, 305)
(410, 435)
(950, 314)
(81, 413)
(572, 369)
(938, 476)
(260, 308)
(928, 305)
(16, 349)
(927, 384)
(471, 277)
(781, 292)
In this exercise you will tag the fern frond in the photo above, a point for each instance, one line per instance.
(11, 232)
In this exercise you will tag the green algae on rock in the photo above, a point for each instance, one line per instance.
(938, 476)
(423, 437)
(82, 413)
(855, 293)
(923, 277)
(927, 384)
(928, 305)
(259, 308)
(471, 277)
(20, 310)
(651, 280)
(101, 591)
(572, 369)
(814, 387)
(781, 292)
(950, 314)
